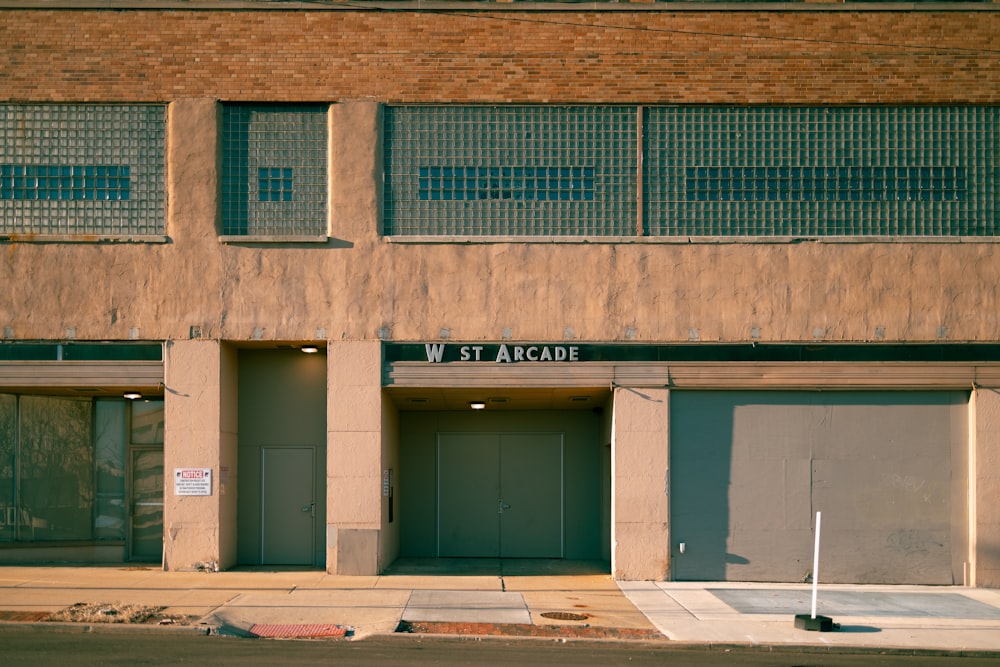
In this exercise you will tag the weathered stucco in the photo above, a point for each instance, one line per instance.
(195, 536)
(360, 285)
(640, 534)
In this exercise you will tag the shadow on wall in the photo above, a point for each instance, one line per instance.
(699, 488)
(750, 469)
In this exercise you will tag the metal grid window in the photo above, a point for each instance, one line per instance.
(915, 171)
(30, 181)
(274, 184)
(825, 184)
(82, 169)
(274, 170)
(521, 183)
(510, 171)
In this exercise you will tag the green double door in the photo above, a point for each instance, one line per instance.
(500, 495)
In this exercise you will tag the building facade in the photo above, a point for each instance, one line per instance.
(645, 283)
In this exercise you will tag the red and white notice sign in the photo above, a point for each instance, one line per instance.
(192, 481)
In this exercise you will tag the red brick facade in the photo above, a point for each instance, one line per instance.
(806, 54)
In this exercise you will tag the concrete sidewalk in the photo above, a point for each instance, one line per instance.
(945, 618)
(572, 601)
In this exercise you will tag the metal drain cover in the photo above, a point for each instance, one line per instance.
(564, 616)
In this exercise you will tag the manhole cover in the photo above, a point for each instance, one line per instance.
(564, 616)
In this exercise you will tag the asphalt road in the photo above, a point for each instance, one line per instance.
(28, 646)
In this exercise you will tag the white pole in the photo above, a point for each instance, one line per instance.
(816, 564)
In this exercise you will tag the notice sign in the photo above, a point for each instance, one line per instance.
(192, 481)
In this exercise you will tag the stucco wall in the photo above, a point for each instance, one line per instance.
(640, 521)
(354, 457)
(985, 492)
(194, 535)
(359, 284)
(362, 286)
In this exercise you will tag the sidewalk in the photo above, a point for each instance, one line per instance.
(577, 602)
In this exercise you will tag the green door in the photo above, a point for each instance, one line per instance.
(288, 505)
(500, 495)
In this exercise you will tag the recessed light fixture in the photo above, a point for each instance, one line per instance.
(132, 395)
(477, 405)
(310, 349)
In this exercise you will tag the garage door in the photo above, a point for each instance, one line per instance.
(500, 495)
(750, 469)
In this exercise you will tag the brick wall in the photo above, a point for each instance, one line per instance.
(809, 54)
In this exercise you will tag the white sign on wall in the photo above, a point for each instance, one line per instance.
(192, 481)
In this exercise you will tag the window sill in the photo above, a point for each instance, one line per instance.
(83, 238)
(271, 239)
(682, 240)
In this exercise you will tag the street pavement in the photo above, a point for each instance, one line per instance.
(565, 600)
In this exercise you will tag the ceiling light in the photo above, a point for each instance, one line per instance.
(477, 405)
(132, 395)
(310, 349)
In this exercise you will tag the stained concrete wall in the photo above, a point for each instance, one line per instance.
(360, 285)
(194, 534)
(640, 535)
(354, 457)
(985, 488)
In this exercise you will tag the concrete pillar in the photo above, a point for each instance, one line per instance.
(354, 457)
(984, 463)
(640, 539)
(195, 534)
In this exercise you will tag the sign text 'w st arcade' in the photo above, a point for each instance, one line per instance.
(501, 354)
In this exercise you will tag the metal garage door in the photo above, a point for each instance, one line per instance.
(750, 469)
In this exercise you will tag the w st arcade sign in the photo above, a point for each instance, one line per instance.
(437, 353)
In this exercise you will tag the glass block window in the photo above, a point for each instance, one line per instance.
(274, 184)
(869, 171)
(274, 170)
(82, 169)
(510, 171)
(521, 183)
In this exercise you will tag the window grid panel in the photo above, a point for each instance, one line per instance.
(274, 170)
(82, 169)
(29, 181)
(920, 171)
(510, 171)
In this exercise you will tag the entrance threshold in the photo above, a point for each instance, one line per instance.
(500, 567)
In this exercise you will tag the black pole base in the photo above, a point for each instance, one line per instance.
(820, 623)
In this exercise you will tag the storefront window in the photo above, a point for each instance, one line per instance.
(8, 510)
(147, 423)
(109, 445)
(55, 468)
(63, 465)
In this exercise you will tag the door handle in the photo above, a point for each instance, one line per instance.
(309, 507)
(501, 506)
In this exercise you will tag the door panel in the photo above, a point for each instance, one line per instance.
(468, 494)
(531, 484)
(146, 525)
(500, 495)
(288, 507)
